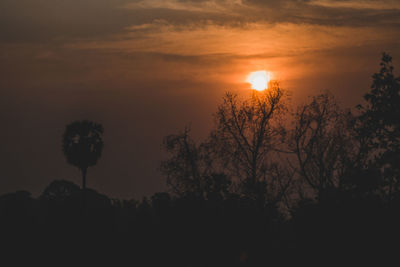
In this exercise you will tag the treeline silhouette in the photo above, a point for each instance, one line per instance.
(267, 184)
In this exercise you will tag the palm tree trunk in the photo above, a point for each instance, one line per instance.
(84, 170)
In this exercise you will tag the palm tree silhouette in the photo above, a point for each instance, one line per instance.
(82, 145)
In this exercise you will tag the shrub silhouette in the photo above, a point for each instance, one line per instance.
(60, 190)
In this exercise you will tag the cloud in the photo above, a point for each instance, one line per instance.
(358, 4)
(61, 21)
(57, 20)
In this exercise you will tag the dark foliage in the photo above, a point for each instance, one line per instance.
(82, 145)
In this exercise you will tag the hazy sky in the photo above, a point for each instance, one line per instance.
(145, 69)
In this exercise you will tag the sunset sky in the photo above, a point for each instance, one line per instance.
(145, 69)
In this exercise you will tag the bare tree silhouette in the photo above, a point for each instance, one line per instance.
(182, 169)
(190, 169)
(82, 145)
(246, 136)
(324, 145)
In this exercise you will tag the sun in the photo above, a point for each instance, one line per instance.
(259, 80)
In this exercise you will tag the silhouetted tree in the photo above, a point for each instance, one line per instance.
(242, 148)
(181, 169)
(82, 145)
(379, 125)
(323, 143)
(190, 170)
(329, 155)
(246, 137)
